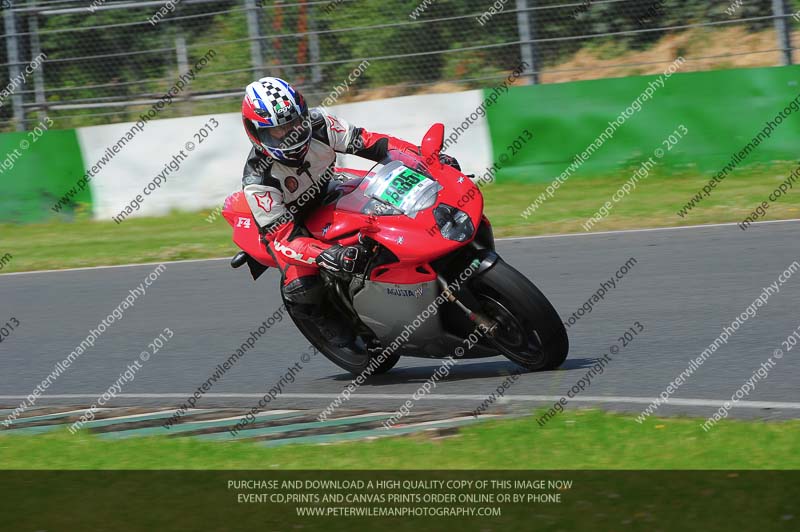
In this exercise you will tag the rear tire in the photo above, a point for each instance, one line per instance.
(354, 359)
(530, 332)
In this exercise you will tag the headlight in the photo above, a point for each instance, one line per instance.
(453, 223)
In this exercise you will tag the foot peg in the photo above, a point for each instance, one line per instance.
(238, 260)
(242, 258)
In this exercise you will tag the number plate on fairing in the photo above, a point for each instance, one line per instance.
(403, 188)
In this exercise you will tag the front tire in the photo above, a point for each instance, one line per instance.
(530, 331)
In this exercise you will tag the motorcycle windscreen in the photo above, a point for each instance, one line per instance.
(392, 189)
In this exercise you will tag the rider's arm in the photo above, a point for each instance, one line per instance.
(346, 138)
(275, 222)
(263, 192)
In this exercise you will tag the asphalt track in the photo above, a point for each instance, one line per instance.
(687, 284)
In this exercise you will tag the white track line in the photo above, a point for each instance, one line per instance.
(88, 268)
(646, 230)
(440, 397)
(562, 235)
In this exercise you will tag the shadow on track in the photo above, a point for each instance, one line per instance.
(460, 372)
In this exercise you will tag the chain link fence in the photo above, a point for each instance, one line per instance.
(84, 62)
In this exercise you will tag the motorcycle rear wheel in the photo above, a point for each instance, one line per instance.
(355, 359)
(530, 331)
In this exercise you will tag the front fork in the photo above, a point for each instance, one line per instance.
(486, 259)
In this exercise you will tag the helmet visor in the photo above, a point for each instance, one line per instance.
(286, 136)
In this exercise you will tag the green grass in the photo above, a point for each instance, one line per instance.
(56, 245)
(654, 202)
(581, 439)
(187, 482)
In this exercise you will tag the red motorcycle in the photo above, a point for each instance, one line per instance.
(434, 286)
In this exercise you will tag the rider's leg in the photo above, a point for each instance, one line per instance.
(291, 244)
(302, 287)
(304, 290)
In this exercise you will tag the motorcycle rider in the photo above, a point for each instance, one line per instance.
(285, 178)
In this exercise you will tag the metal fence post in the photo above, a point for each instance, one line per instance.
(780, 12)
(255, 38)
(12, 46)
(526, 51)
(182, 57)
(38, 75)
(313, 48)
(181, 54)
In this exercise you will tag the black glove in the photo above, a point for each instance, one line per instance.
(449, 161)
(343, 261)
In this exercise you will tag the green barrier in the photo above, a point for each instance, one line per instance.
(35, 174)
(723, 110)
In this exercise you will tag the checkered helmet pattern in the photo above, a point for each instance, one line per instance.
(280, 101)
(274, 102)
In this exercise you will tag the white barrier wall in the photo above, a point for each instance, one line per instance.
(409, 118)
(208, 173)
(213, 169)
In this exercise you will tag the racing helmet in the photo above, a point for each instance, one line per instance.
(275, 117)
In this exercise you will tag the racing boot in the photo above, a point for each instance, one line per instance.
(305, 295)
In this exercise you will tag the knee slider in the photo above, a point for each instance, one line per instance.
(306, 290)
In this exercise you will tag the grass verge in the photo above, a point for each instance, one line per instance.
(654, 203)
(579, 439)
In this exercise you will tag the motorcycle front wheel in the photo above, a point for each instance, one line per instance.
(530, 331)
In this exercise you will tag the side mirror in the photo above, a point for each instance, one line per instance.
(432, 144)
